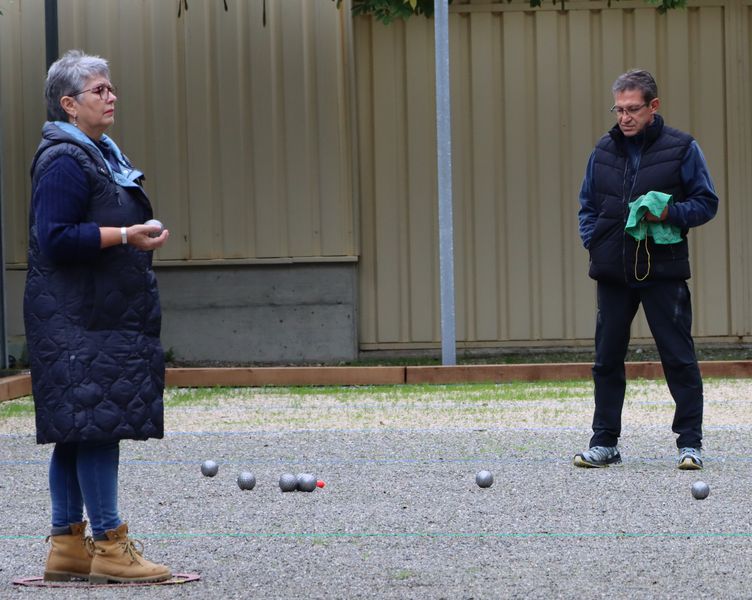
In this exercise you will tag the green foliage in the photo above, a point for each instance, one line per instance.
(169, 355)
(387, 11)
(664, 5)
(404, 574)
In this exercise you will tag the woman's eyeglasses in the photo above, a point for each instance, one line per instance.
(102, 90)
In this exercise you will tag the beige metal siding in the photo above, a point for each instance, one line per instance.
(738, 158)
(242, 129)
(530, 96)
(21, 103)
(246, 137)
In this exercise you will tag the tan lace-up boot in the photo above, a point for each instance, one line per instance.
(117, 559)
(69, 555)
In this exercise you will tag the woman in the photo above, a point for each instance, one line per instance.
(92, 317)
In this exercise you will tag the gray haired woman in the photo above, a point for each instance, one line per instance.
(92, 318)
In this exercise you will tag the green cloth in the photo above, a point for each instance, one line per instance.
(660, 231)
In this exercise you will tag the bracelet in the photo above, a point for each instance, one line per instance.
(123, 235)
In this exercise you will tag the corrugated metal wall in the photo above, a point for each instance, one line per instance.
(530, 96)
(245, 134)
(241, 128)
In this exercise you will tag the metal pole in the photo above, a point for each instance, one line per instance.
(50, 31)
(444, 163)
(3, 329)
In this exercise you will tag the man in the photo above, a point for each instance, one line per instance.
(639, 155)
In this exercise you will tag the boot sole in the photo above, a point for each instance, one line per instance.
(689, 465)
(99, 578)
(63, 576)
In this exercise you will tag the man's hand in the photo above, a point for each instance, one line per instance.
(652, 218)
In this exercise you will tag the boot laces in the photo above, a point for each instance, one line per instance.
(133, 548)
(129, 548)
(89, 543)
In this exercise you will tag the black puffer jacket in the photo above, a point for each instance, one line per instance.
(92, 328)
(616, 183)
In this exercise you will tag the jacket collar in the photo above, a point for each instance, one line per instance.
(645, 138)
(59, 131)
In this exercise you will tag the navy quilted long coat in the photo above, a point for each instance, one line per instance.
(92, 326)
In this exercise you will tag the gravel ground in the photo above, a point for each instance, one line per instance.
(401, 516)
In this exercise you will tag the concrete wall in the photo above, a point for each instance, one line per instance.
(258, 313)
(14, 283)
(292, 313)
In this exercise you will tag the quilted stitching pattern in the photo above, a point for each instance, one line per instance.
(97, 364)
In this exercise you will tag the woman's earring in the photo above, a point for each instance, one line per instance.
(75, 120)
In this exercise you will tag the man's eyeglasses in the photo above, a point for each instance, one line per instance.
(102, 90)
(630, 111)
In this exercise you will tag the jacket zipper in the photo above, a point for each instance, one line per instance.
(625, 204)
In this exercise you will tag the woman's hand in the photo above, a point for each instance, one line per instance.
(138, 236)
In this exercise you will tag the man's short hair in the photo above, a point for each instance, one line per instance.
(637, 79)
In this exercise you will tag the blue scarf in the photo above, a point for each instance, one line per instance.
(127, 176)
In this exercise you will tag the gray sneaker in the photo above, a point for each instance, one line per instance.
(690, 459)
(597, 456)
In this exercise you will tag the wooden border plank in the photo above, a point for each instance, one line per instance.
(285, 376)
(559, 371)
(18, 386)
(14, 387)
(726, 368)
(497, 373)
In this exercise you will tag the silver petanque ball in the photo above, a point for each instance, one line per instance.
(209, 468)
(288, 482)
(700, 490)
(306, 482)
(246, 480)
(158, 224)
(484, 479)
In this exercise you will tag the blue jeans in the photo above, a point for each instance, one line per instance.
(85, 474)
(668, 309)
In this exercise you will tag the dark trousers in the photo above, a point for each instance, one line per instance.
(668, 309)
